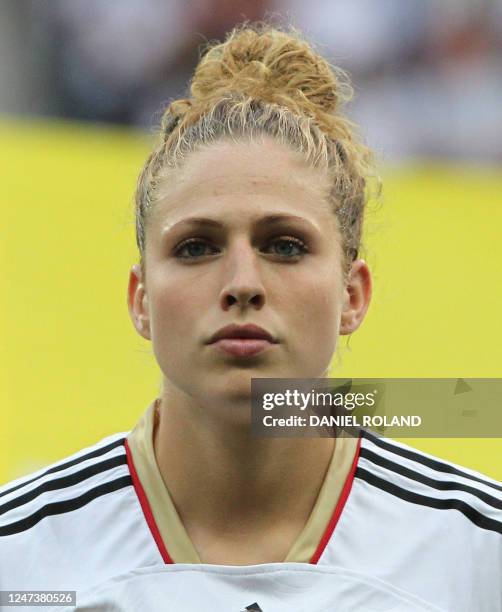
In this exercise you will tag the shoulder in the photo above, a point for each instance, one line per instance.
(64, 486)
(74, 514)
(420, 479)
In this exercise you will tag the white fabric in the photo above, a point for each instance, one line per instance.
(275, 587)
(389, 547)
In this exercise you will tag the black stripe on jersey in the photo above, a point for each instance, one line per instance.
(441, 485)
(423, 500)
(62, 466)
(434, 464)
(67, 505)
(64, 481)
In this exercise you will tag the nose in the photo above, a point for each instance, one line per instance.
(243, 285)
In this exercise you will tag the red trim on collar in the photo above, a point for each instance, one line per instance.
(338, 509)
(145, 506)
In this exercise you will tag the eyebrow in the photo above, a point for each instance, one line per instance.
(213, 223)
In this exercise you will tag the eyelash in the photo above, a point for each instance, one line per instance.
(301, 245)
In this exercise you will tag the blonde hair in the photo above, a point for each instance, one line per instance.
(265, 81)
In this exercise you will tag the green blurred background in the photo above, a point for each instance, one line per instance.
(72, 367)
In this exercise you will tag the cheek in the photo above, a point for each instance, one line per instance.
(175, 308)
(315, 308)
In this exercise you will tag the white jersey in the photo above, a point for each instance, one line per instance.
(270, 587)
(407, 530)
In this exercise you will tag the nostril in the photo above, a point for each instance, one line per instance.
(256, 299)
(231, 300)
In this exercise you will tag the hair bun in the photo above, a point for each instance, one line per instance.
(263, 80)
(271, 65)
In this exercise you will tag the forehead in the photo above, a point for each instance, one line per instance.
(240, 179)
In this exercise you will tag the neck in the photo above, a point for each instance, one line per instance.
(219, 476)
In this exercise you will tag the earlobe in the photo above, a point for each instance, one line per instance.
(137, 301)
(357, 296)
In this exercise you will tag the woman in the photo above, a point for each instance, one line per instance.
(249, 217)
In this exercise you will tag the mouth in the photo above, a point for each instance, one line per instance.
(250, 331)
(242, 347)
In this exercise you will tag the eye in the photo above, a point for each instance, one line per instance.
(286, 247)
(195, 247)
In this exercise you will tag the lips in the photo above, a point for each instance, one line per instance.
(242, 347)
(242, 332)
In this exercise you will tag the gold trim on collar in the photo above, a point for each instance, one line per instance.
(176, 539)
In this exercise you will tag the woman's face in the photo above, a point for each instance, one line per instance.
(242, 234)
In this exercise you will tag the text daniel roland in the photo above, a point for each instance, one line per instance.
(345, 420)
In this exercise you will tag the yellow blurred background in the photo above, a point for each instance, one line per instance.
(72, 368)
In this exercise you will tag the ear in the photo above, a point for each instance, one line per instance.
(357, 296)
(137, 301)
